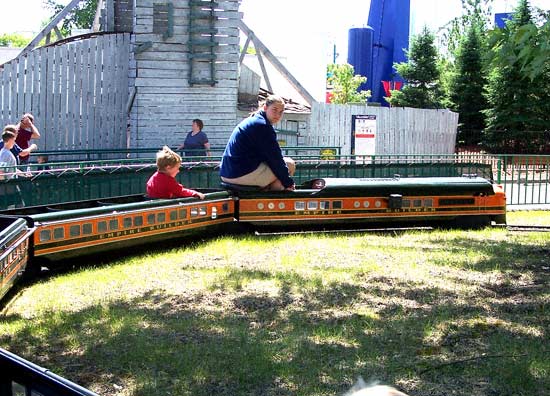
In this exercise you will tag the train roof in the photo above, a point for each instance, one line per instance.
(414, 186)
(405, 186)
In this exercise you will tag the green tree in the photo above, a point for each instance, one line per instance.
(345, 84)
(474, 12)
(13, 40)
(466, 87)
(81, 17)
(519, 109)
(421, 72)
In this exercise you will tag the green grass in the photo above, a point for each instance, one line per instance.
(433, 313)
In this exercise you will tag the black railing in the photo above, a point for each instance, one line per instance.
(21, 377)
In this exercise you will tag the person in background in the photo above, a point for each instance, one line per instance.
(17, 151)
(42, 160)
(253, 156)
(196, 141)
(26, 130)
(8, 163)
(163, 183)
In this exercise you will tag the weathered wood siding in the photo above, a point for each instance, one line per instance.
(165, 101)
(399, 130)
(77, 92)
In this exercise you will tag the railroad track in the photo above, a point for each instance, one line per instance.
(512, 228)
(528, 228)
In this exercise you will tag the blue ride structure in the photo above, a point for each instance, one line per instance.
(373, 50)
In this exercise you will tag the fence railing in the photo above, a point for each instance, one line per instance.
(149, 152)
(526, 179)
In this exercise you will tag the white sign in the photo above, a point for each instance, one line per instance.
(364, 134)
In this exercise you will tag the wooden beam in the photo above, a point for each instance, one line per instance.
(260, 47)
(95, 24)
(264, 71)
(245, 48)
(47, 29)
(58, 33)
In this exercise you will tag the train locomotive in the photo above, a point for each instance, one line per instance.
(34, 235)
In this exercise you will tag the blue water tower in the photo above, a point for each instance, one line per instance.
(360, 53)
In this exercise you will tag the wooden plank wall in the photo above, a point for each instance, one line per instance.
(77, 92)
(165, 102)
(399, 130)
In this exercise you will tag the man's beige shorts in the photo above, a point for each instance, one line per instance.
(263, 176)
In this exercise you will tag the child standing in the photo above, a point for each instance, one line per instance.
(8, 162)
(163, 183)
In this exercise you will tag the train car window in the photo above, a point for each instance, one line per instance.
(161, 217)
(456, 201)
(202, 211)
(113, 224)
(299, 205)
(312, 205)
(324, 205)
(173, 215)
(225, 207)
(74, 230)
(58, 233)
(87, 228)
(214, 214)
(17, 389)
(429, 203)
(366, 204)
(45, 235)
(138, 221)
(127, 222)
(151, 218)
(194, 212)
(337, 205)
(406, 203)
(183, 213)
(417, 203)
(102, 226)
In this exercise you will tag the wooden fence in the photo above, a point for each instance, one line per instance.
(77, 92)
(398, 130)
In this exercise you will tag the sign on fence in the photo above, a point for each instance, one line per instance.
(363, 134)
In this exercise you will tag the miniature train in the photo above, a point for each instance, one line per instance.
(30, 236)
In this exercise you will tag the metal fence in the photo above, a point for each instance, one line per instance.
(526, 179)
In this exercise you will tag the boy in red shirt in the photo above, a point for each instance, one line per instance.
(163, 183)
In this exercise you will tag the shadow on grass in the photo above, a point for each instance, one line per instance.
(307, 337)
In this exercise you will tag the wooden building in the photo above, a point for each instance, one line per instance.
(155, 65)
(184, 65)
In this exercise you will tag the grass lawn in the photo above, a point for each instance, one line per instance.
(432, 313)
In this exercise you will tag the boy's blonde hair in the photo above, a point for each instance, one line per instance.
(11, 128)
(167, 157)
(7, 135)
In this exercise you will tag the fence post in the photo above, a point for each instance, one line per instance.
(499, 170)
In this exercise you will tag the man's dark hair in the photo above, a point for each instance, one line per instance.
(199, 123)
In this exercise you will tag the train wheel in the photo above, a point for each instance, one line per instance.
(473, 222)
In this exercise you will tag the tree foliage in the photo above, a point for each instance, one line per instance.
(345, 84)
(467, 84)
(13, 40)
(81, 17)
(421, 72)
(475, 13)
(519, 105)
